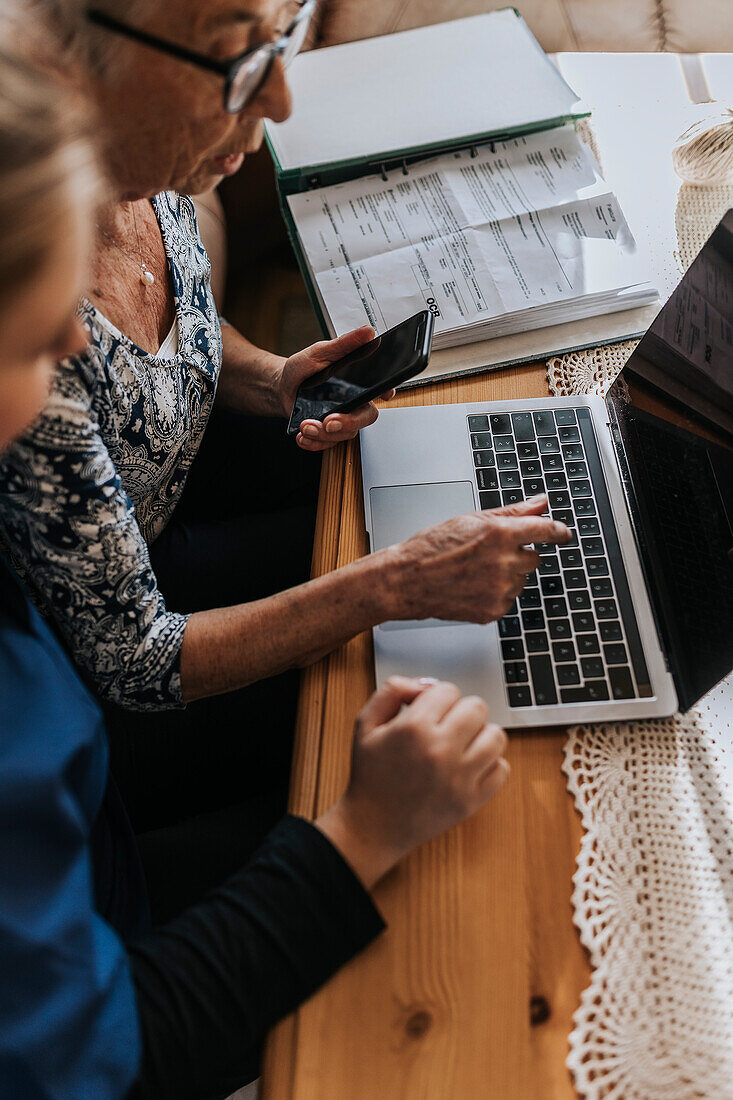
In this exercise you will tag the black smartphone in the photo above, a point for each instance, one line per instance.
(369, 371)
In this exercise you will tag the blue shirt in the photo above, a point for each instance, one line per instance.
(68, 1020)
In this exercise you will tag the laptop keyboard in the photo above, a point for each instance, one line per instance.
(572, 635)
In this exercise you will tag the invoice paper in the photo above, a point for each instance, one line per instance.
(473, 236)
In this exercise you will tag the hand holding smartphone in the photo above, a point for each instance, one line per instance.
(401, 353)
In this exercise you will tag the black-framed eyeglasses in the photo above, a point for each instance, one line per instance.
(244, 75)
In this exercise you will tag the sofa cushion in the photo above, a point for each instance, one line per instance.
(346, 20)
(686, 26)
(680, 26)
(698, 26)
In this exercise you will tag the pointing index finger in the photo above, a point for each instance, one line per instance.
(528, 529)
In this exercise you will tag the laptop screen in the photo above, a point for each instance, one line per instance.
(674, 439)
(688, 351)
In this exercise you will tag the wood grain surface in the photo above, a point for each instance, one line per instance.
(470, 992)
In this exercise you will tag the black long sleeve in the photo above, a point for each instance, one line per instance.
(212, 982)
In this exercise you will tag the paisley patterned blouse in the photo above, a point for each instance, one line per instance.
(98, 476)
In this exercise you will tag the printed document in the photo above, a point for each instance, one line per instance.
(482, 237)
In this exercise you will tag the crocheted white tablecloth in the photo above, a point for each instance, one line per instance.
(653, 903)
(653, 897)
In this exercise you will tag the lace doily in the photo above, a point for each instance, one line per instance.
(653, 902)
(590, 371)
(653, 897)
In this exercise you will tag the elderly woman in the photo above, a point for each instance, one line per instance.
(179, 1011)
(173, 571)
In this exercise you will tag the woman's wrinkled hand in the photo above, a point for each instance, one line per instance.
(314, 435)
(473, 567)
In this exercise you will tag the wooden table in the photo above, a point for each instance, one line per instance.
(469, 994)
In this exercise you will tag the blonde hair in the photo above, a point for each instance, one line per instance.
(46, 156)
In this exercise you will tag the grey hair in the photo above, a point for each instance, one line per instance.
(82, 41)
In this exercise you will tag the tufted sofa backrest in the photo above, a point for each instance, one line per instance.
(684, 26)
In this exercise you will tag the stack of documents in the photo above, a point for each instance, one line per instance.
(494, 239)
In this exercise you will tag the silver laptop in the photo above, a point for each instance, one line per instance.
(632, 619)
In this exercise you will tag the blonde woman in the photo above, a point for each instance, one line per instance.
(181, 1010)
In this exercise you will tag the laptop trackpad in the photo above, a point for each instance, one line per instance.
(399, 511)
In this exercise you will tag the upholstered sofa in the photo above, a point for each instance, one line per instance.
(685, 26)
